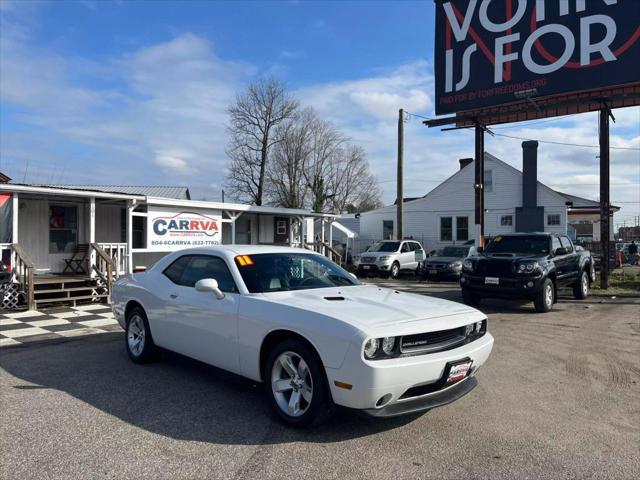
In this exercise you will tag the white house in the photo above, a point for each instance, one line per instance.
(60, 242)
(513, 202)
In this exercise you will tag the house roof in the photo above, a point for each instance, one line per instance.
(175, 192)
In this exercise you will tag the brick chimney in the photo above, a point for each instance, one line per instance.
(530, 217)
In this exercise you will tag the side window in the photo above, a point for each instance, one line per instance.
(405, 247)
(206, 266)
(555, 244)
(174, 271)
(566, 243)
(416, 246)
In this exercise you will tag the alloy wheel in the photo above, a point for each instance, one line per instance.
(548, 295)
(136, 335)
(292, 384)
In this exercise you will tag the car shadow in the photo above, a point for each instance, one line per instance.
(175, 396)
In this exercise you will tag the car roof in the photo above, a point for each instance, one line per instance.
(245, 249)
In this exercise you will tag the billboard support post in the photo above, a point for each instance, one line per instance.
(479, 184)
(400, 192)
(604, 197)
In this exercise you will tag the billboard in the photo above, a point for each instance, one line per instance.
(493, 52)
(170, 229)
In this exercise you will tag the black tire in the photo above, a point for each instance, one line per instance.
(319, 406)
(395, 270)
(148, 350)
(545, 298)
(581, 288)
(470, 298)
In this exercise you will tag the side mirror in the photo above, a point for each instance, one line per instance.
(209, 285)
(560, 251)
(355, 277)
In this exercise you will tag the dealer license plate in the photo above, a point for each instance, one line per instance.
(492, 280)
(459, 371)
(433, 272)
(366, 267)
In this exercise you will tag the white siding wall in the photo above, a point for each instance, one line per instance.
(108, 226)
(455, 198)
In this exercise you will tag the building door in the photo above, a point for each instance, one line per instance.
(280, 230)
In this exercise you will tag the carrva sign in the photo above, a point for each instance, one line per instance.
(174, 229)
(493, 52)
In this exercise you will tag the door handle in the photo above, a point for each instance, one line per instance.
(173, 295)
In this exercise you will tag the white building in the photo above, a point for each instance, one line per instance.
(104, 231)
(445, 215)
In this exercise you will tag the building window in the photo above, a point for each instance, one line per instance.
(553, 219)
(488, 181)
(387, 229)
(462, 228)
(506, 221)
(63, 229)
(446, 229)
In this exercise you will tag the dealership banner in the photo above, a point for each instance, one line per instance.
(171, 229)
(6, 218)
(492, 52)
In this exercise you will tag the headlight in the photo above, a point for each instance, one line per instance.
(370, 348)
(528, 267)
(468, 265)
(384, 259)
(388, 344)
(455, 265)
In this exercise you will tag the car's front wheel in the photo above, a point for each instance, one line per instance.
(139, 342)
(581, 289)
(395, 270)
(296, 384)
(543, 300)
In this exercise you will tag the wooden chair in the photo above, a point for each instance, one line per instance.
(79, 260)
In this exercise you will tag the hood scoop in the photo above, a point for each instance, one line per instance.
(334, 299)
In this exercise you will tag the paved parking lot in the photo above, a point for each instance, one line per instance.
(559, 398)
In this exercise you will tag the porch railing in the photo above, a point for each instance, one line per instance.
(118, 253)
(326, 250)
(22, 269)
(104, 268)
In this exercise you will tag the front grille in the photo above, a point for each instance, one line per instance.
(495, 268)
(438, 266)
(368, 260)
(442, 340)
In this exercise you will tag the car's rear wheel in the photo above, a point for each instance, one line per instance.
(470, 298)
(581, 289)
(138, 340)
(544, 299)
(296, 384)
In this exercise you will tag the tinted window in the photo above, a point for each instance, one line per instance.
(566, 243)
(525, 244)
(385, 247)
(275, 272)
(405, 248)
(453, 252)
(187, 270)
(416, 246)
(555, 244)
(176, 269)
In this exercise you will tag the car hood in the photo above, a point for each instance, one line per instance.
(515, 258)
(444, 259)
(377, 254)
(372, 308)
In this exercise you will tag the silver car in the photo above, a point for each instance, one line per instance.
(389, 257)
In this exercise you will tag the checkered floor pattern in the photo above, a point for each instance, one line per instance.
(35, 326)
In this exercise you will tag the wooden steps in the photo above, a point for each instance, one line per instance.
(67, 289)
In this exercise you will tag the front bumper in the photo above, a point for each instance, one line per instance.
(525, 286)
(373, 269)
(373, 380)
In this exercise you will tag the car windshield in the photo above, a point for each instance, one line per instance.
(458, 252)
(523, 244)
(276, 272)
(384, 247)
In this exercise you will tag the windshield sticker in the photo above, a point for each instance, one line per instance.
(244, 260)
(497, 239)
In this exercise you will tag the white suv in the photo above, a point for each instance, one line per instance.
(389, 257)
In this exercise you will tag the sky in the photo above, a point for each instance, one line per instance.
(136, 92)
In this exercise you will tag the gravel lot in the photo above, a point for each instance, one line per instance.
(559, 398)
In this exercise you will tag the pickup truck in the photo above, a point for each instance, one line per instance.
(527, 265)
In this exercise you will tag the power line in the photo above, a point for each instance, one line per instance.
(564, 143)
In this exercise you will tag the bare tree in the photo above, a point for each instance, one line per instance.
(353, 185)
(326, 142)
(286, 184)
(253, 119)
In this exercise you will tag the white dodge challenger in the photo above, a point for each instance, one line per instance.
(305, 327)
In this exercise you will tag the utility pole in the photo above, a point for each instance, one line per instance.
(222, 196)
(400, 193)
(479, 184)
(605, 208)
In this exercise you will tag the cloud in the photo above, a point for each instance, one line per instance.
(171, 164)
